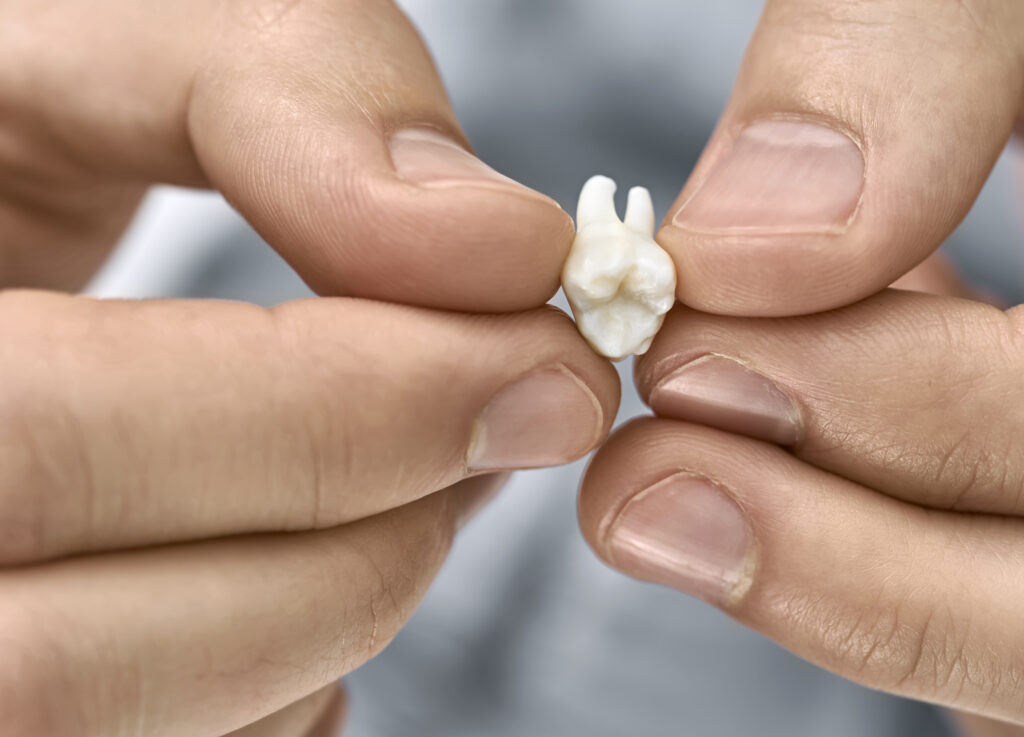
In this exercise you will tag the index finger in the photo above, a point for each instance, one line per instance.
(126, 423)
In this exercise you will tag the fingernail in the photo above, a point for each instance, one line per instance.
(545, 418)
(779, 176)
(719, 392)
(429, 158)
(686, 533)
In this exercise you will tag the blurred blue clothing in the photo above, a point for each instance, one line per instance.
(525, 632)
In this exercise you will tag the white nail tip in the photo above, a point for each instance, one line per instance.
(619, 281)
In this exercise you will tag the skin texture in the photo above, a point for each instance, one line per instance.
(253, 552)
(884, 542)
(928, 93)
(287, 108)
(209, 512)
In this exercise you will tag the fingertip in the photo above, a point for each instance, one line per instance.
(433, 159)
(837, 573)
(776, 203)
(596, 372)
(357, 173)
(554, 409)
(824, 181)
(609, 480)
(780, 174)
(440, 229)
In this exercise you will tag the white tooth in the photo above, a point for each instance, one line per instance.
(639, 211)
(619, 281)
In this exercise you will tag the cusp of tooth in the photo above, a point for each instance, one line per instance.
(619, 281)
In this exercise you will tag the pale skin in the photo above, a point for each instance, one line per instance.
(209, 512)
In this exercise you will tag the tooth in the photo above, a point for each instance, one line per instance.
(639, 211)
(619, 281)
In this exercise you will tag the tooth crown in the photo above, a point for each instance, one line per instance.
(619, 281)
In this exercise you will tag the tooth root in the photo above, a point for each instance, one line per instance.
(618, 280)
(597, 203)
(640, 211)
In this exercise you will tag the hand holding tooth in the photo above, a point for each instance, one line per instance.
(619, 281)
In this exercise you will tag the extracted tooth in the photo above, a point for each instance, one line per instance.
(619, 281)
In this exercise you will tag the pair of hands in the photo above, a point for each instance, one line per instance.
(209, 512)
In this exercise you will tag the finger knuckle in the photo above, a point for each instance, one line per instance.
(394, 579)
(987, 478)
(894, 642)
(862, 640)
(930, 654)
(910, 649)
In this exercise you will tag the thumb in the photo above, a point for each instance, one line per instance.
(857, 137)
(324, 123)
(335, 138)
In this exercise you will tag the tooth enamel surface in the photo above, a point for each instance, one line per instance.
(619, 281)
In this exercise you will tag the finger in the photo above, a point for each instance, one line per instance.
(913, 395)
(325, 124)
(857, 137)
(318, 715)
(59, 239)
(128, 423)
(332, 722)
(935, 275)
(890, 595)
(202, 639)
(972, 725)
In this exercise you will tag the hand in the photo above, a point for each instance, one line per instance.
(322, 121)
(887, 544)
(857, 137)
(209, 511)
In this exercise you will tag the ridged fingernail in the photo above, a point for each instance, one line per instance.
(779, 176)
(545, 418)
(429, 158)
(686, 533)
(720, 392)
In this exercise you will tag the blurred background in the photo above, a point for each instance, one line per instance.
(525, 632)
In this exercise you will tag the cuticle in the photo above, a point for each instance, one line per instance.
(392, 126)
(599, 426)
(455, 135)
